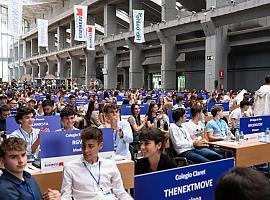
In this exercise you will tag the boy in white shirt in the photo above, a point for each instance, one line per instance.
(91, 177)
(194, 126)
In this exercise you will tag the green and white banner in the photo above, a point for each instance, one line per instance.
(138, 22)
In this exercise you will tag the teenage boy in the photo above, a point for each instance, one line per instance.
(122, 131)
(217, 128)
(25, 116)
(68, 118)
(15, 183)
(91, 177)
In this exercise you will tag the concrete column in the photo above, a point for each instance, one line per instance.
(26, 49)
(61, 37)
(149, 79)
(42, 69)
(216, 53)
(51, 42)
(10, 73)
(126, 78)
(52, 68)
(28, 70)
(16, 53)
(20, 51)
(75, 65)
(168, 66)
(72, 34)
(22, 71)
(35, 69)
(90, 64)
(90, 58)
(34, 47)
(136, 53)
(60, 68)
(16, 72)
(110, 27)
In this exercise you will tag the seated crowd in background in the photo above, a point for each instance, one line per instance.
(153, 132)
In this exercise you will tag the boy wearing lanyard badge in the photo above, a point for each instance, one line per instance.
(91, 177)
(15, 183)
(217, 129)
(25, 116)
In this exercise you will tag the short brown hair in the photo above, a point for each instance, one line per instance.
(12, 144)
(167, 106)
(92, 133)
(110, 106)
(216, 109)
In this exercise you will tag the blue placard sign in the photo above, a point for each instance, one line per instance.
(126, 109)
(188, 114)
(224, 105)
(13, 112)
(68, 143)
(256, 124)
(189, 183)
(44, 123)
(81, 101)
(40, 97)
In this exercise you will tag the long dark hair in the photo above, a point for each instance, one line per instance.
(91, 107)
(137, 118)
(149, 112)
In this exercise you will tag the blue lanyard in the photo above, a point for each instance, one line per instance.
(219, 125)
(97, 181)
(30, 141)
(27, 189)
(182, 130)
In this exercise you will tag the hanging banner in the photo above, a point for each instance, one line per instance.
(15, 17)
(90, 41)
(80, 16)
(42, 25)
(138, 22)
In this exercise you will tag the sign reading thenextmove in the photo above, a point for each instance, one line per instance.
(196, 182)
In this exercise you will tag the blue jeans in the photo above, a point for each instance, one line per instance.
(201, 155)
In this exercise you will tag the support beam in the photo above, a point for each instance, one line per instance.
(42, 69)
(51, 42)
(52, 67)
(110, 27)
(34, 47)
(168, 45)
(35, 70)
(136, 54)
(75, 66)
(26, 49)
(61, 37)
(90, 64)
(216, 53)
(72, 34)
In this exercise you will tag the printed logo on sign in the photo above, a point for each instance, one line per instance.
(79, 12)
(54, 165)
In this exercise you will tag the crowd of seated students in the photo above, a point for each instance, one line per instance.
(188, 139)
